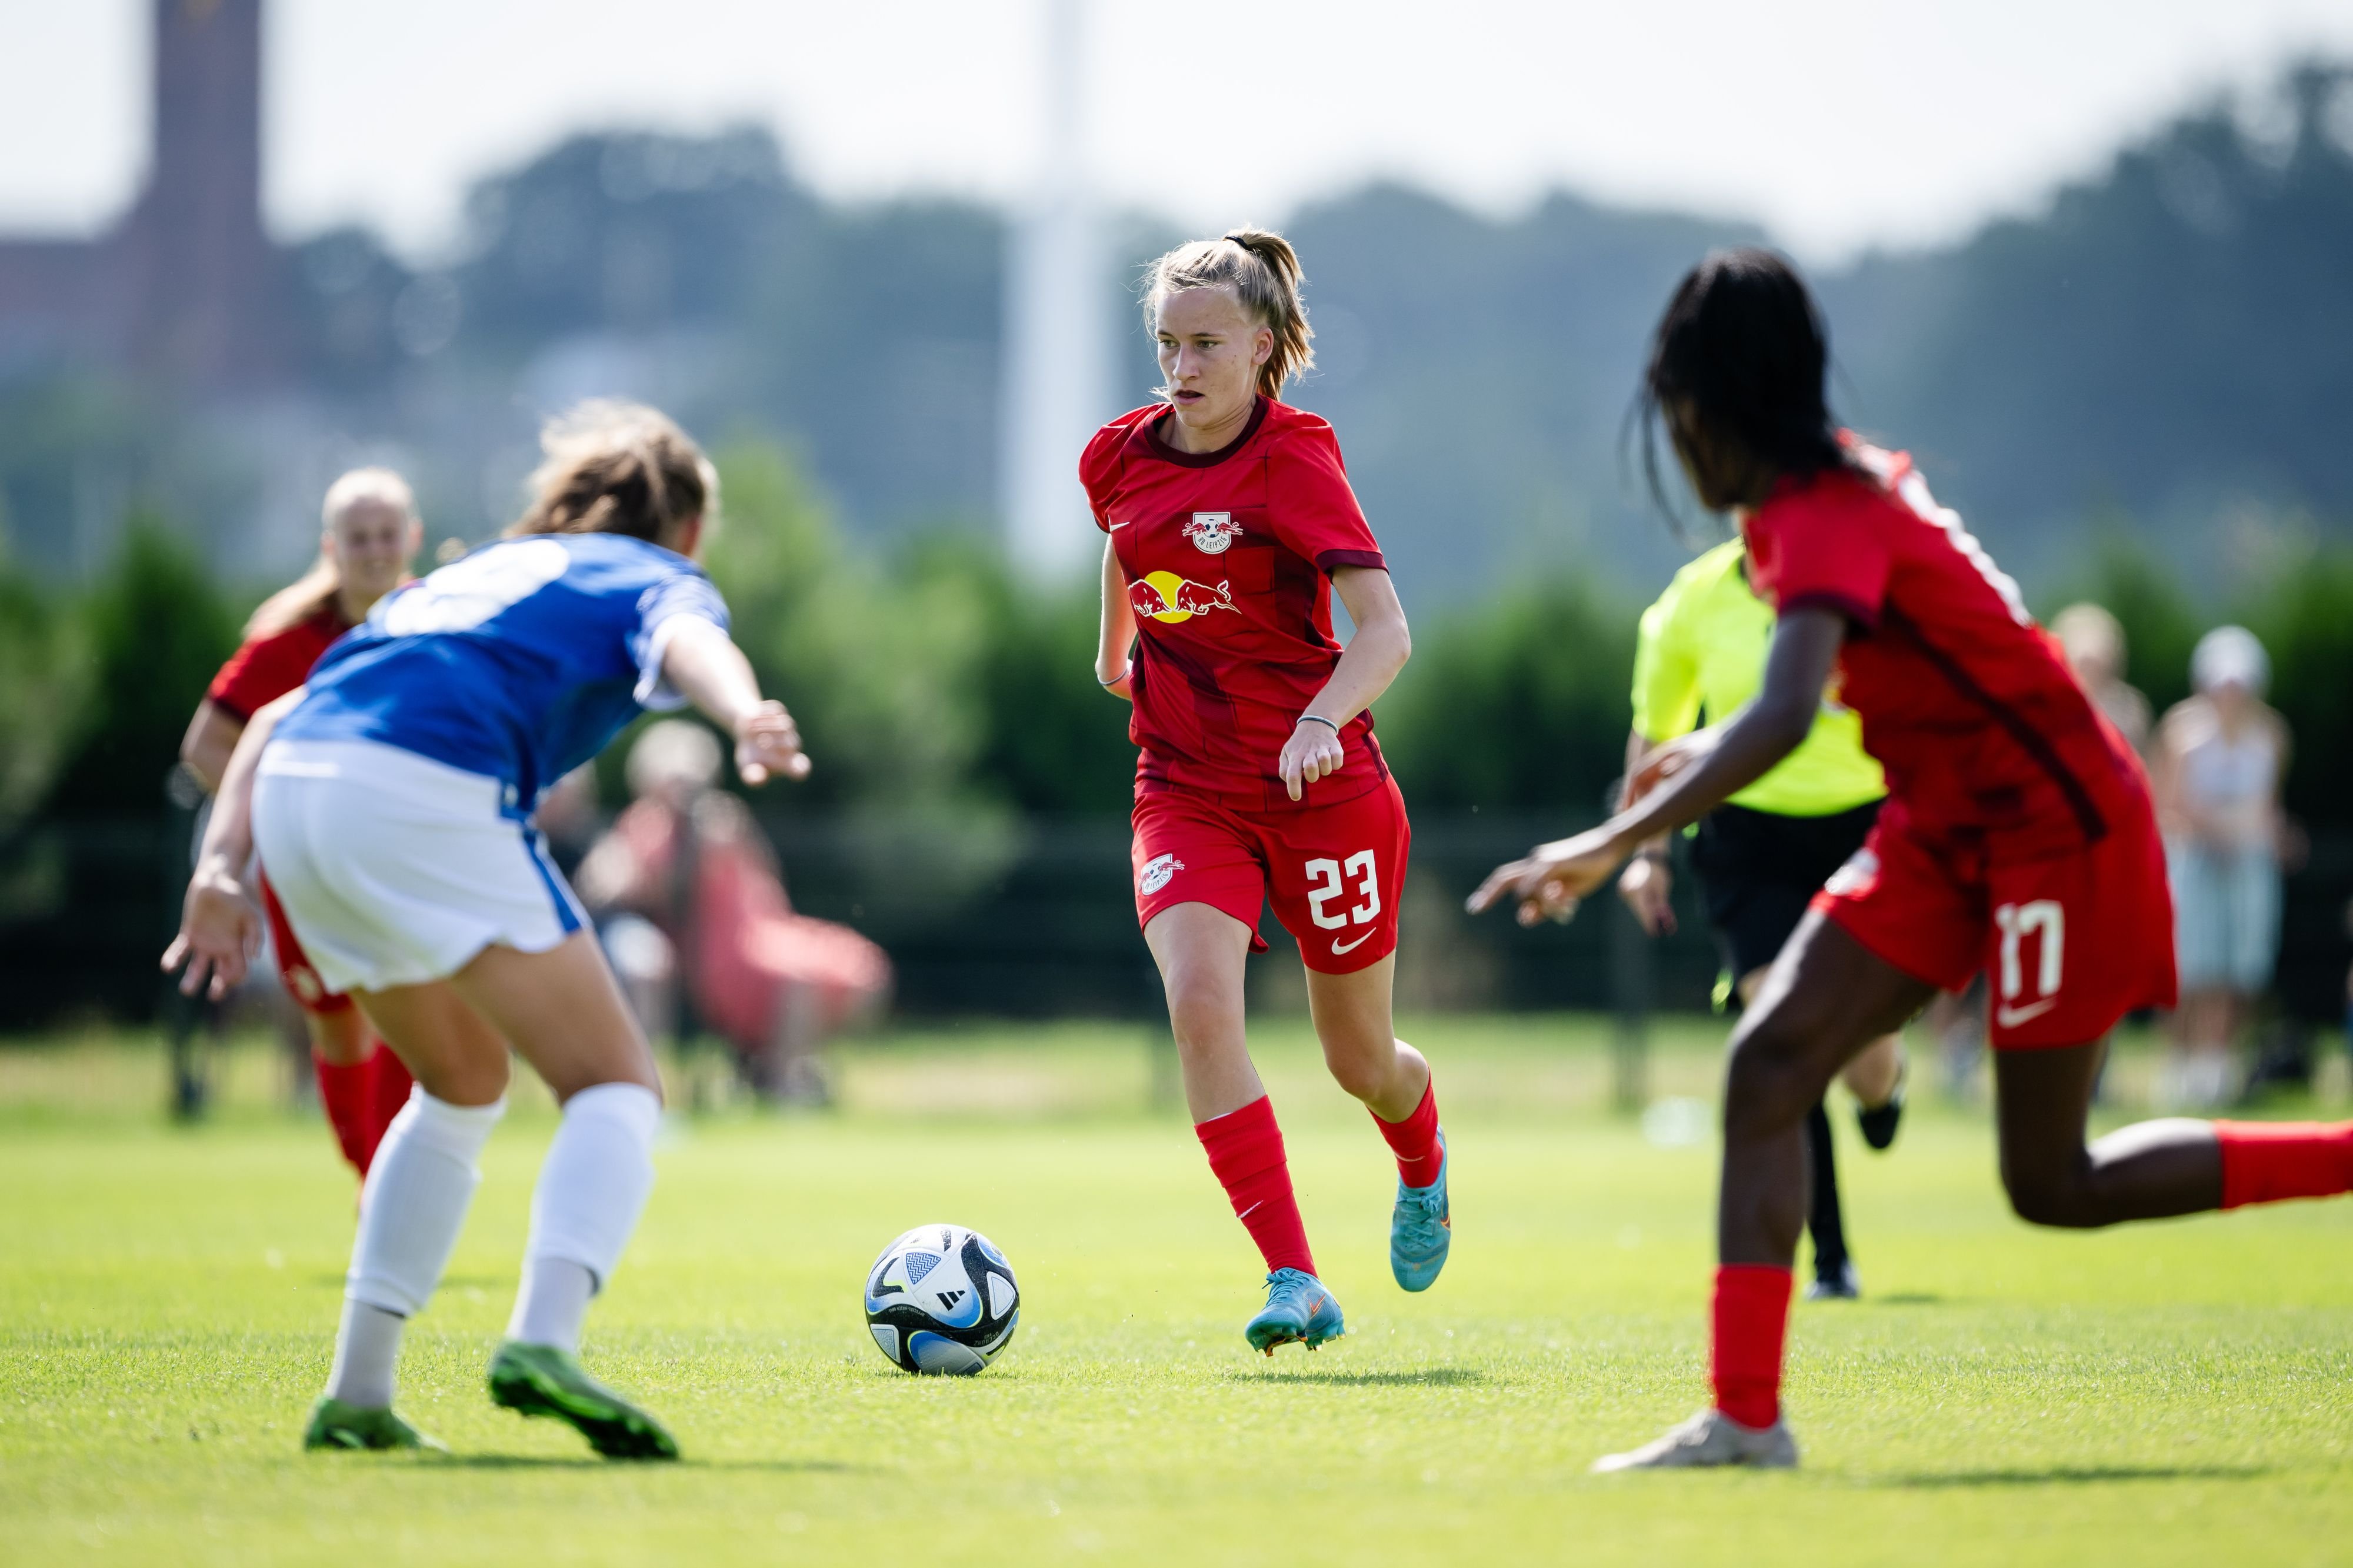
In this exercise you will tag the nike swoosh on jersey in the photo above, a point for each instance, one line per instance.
(1339, 947)
(1117, 526)
(2010, 1018)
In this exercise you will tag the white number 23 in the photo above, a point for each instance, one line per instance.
(1327, 880)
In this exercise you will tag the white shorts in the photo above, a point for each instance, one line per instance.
(394, 869)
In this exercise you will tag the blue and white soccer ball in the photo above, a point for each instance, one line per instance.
(941, 1298)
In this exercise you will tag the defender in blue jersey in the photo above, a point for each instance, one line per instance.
(390, 800)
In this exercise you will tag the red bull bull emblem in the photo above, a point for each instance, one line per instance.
(1170, 599)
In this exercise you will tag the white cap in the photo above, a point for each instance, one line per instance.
(2230, 656)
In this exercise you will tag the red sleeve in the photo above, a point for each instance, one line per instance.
(1821, 548)
(1099, 469)
(264, 670)
(1311, 508)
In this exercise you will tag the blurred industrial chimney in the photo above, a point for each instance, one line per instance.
(1057, 387)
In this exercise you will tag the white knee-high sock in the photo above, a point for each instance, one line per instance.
(419, 1188)
(591, 1191)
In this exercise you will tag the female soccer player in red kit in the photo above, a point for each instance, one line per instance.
(372, 533)
(1227, 513)
(2018, 835)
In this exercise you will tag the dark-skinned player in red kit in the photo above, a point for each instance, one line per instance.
(1229, 525)
(2018, 837)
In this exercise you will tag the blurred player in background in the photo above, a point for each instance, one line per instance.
(2093, 641)
(371, 532)
(391, 800)
(688, 857)
(1766, 851)
(1230, 523)
(2018, 835)
(2221, 754)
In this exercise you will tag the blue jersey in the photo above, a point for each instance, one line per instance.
(520, 661)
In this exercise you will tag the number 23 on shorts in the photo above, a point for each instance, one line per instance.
(1330, 881)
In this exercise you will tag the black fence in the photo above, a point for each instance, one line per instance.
(1017, 917)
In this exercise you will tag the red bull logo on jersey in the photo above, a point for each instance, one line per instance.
(1171, 600)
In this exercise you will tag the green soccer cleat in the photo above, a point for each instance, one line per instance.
(540, 1380)
(335, 1425)
(1298, 1309)
(1422, 1228)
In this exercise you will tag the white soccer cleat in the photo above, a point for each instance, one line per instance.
(1709, 1438)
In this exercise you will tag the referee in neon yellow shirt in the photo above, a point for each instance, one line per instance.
(1762, 855)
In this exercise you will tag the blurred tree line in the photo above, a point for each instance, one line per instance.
(948, 704)
(930, 679)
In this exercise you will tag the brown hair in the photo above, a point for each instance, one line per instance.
(617, 468)
(1263, 270)
(315, 591)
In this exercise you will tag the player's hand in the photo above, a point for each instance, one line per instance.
(1648, 885)
(1678, 755)
(768, 744)
(1313, 752)
(221, 932)
(1552, 880)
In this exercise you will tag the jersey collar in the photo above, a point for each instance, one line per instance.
(1168, 453)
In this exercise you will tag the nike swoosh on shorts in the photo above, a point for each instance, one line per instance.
(1340, 947)
(2010, 1018)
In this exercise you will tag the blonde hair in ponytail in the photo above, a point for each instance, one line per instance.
(1263, 270)
(618, 467)
(311, 593)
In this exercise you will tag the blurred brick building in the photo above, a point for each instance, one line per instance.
(188, 287)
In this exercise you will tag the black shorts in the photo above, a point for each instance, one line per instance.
(1758, 870)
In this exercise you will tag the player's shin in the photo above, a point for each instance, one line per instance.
(2270, 1162)
(1414, 1141)
(1245, 1149)
(419, 1189)
(592, 1188)
(1751, 1322)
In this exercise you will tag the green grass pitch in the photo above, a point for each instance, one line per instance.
(2172, 1392)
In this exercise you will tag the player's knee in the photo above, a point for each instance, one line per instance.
(2052, 1197)
(1363, 1073)
(1768, 1086)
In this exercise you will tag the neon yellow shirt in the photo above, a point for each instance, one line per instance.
(1702, 651)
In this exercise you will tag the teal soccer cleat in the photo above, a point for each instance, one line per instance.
(1298, 1309)
(540, 1380)
(1422, 1228)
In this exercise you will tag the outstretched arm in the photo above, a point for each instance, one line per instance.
(1116, 636)
(702, 665)
(1367, 665)
(1684, 780)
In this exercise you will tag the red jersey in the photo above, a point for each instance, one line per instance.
(1988, 742)
(268, 668)
(1228, 556)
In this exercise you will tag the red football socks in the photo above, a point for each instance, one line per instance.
(2266, 1162)
(1245, 1149)
(1752, 1319)
(348, 1093)
(361, 1099)
(391, 1084)
(1414, 1141)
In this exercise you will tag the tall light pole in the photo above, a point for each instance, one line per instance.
(1057, 387)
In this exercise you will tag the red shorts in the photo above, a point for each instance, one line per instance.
(1332, 872)
(302, 982)
(2070, 944)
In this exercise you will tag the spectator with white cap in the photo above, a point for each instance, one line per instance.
(2219, 760)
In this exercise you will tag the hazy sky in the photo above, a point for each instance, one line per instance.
(1839, 123)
